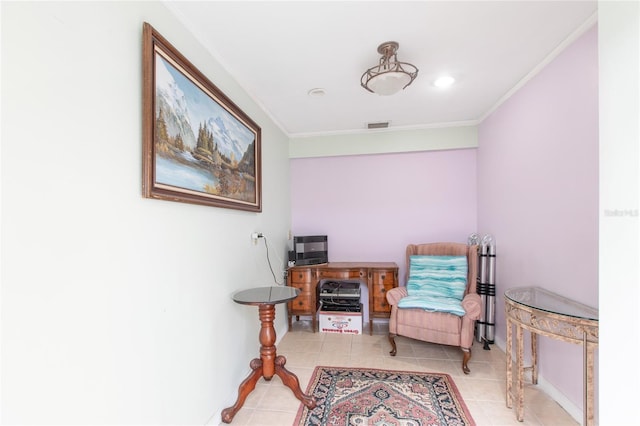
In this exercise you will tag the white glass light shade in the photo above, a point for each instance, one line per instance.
(388, 83)
(390, 75)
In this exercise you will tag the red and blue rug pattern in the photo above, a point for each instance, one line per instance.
(360, 397)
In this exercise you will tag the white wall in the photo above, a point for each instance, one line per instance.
(117, 309)
(619, 274)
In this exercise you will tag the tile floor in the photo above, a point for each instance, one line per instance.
(272, 403)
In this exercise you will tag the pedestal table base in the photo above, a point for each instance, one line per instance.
(266, 366)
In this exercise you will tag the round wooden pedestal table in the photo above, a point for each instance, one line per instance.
(265, 298)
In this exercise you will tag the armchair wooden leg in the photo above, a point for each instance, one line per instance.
(466, 356)
(393, 344)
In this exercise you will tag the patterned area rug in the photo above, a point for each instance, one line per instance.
(361, 397)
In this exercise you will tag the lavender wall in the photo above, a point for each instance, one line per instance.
(538, 194)
(372, 206)
(535, 190)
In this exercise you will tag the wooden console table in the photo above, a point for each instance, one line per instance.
(542, 312)
(268, 364)
(378, 276)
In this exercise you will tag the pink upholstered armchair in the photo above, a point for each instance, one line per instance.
(438, 327)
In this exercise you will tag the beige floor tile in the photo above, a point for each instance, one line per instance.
(401, 363)
(300, 359)
(243, 417)
(299, 345)
(278, 398)
(483, 390)
(271, 418)
(331, 345)
(333, 359)
(431, 351)
(552, 414)
(254, 398)
(453, 368)
(497, 414)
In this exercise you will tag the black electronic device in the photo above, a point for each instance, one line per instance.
(339, 296)
(311, 249)
(327, 307)
(340, 289)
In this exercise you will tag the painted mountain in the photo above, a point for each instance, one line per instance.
(172, 104)
(200, 146)
(187, 110)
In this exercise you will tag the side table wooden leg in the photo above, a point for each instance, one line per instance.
(509, 357)
(534, 358)
(291, 381)
(248, 385)
(589, 416)
(520, 374)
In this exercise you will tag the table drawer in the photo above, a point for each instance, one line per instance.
(380, 303)
(301, 275)
(305, 288)
(302, 303)
(382, 280)
(385, 278)
(343, 274)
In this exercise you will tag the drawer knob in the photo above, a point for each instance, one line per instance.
(382, 277)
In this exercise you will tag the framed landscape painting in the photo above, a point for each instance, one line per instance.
(198, 146)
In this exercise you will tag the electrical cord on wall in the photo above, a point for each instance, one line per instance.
(266, 245)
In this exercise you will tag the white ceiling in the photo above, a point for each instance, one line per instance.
(278, 51)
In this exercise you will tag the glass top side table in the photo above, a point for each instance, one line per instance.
(265, 298)
(548, 314)
(268, 295)
(539, 298)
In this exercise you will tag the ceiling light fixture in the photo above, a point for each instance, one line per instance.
(317, 92)
(444, 81)
(390, 75)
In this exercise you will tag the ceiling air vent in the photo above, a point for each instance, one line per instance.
(379, 125)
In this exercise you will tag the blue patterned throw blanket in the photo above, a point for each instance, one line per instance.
(436, 283)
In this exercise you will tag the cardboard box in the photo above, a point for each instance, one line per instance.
(340, 322)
